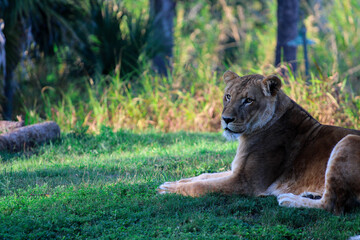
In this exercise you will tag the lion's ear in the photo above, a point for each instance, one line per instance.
(229, 76)
(272, 85)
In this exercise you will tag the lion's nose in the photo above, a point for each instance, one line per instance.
(228, 120)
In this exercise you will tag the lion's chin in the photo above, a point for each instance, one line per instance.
(230, 135)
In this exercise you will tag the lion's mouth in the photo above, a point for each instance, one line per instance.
(229, 130)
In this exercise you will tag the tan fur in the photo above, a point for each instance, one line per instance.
(283, 151)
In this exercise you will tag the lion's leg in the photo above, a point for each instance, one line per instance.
(225, 184)
(341, 180)
(206, 176)
(342, 177)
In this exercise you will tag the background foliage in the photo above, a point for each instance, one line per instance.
(108, 80)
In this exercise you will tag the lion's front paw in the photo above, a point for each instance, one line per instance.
(167, 187)
(288, 200)
(291, 200)
(186, 180)
(193, 189)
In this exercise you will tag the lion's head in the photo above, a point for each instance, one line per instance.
(249, 103)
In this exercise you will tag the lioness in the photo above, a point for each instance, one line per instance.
(283, 151)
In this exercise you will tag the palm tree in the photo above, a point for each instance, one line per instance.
(48, 22)
(114, 39)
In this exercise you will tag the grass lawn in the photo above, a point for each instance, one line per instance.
(104, 186)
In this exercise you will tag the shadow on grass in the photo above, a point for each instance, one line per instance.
(114, 169)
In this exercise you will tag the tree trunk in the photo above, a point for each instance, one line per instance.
(8, 93)
(163, 13)
(2, 51)
(287, 16)
(2, 59)
(24, 137)
(15, 35)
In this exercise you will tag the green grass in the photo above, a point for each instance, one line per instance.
(103, 186)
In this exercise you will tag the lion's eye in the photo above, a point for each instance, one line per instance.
(227, 97)
(248, 101)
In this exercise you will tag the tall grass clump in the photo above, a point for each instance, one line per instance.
(156, 104)
(326, 99)
(161, 105)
